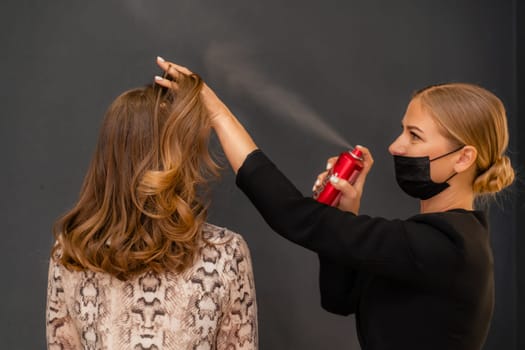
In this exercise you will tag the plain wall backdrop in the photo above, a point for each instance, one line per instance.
(354, 63)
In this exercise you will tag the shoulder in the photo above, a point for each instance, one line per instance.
(216, 235)
(56, 269)
(447, 235)
(454, 221)
(225, 248)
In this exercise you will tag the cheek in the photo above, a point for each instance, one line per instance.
(441, 171)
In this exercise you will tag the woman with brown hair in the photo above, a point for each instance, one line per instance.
(135, 264)
(426, 282)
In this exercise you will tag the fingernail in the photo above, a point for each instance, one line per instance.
(157, 78)
(328, 166)
(334, 179)
(160, 59)
(317, 183)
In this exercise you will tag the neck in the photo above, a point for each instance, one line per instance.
(447, 200)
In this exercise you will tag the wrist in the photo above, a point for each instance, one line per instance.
(222, 120)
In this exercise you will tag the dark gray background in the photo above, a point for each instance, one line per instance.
(355, 63)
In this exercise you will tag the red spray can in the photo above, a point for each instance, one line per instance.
(348, 166)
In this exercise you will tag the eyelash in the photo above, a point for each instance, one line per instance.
(414, 136)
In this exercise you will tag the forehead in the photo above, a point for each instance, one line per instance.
(419, 116)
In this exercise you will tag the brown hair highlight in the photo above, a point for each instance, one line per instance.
(143, 201)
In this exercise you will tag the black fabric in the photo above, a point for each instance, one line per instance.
(422, 283)
(413, 175)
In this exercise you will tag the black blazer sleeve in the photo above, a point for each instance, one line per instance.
(394, 248)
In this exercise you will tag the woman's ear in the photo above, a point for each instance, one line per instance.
(467, 158)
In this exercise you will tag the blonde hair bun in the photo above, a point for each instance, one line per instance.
(498, 176)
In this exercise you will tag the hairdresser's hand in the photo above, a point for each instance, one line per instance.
(235, 140)
(215, 107)
(350, 199)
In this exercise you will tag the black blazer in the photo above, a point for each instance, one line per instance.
(422, 283)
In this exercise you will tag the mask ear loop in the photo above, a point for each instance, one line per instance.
(451, 176)
(446, 154)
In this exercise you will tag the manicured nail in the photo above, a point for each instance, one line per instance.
(318, 182)
(160, 59)
(334, 179)
(157, 78)
(328, 166)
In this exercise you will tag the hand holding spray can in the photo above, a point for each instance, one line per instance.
(348, 166)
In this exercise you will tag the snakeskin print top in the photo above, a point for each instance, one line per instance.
(211, 305)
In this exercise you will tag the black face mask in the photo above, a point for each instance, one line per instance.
(413, 176)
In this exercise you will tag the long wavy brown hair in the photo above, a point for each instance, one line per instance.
(144, 200)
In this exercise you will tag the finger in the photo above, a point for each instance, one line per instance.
(173, 69)
(170, 84)
(344, 186)
(330, 162)
(319, 180)
(368, 161)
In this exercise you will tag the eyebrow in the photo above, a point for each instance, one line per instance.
(413, 127)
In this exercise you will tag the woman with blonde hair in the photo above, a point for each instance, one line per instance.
(135, 264)
(425, 282)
